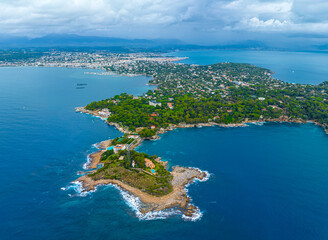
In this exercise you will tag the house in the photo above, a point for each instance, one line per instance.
(133, 136)
(104, 112)
(216, 117)
(155, 104)
(152, 127)
(170, 105)
(119, 147)
(121, 158)
(139, 129)
(261, 98)
(149, 163)
(133, 163)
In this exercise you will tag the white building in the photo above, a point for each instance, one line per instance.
(133, 136)
(155, 104)
(119, 147)
(104, 112)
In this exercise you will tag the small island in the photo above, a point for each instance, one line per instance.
(144, 176)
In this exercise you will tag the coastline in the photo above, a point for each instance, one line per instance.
(182, 176)
(281, 119)
(177, 199)
(87, 65)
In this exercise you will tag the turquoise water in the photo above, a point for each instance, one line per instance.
(267, 182)
(295, 67)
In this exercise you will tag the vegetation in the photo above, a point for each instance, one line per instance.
(222, 93)
(147, 133)
(139, 177)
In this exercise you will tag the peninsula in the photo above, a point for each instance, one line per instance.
(224, 94)
(142, 175)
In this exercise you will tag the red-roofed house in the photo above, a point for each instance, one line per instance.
(170, 105)
(149, 163)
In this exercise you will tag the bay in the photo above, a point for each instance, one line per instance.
(294, 67)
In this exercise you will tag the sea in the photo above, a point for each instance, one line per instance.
(294, 67)
(267, 181)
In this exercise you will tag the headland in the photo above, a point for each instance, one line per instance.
(223, 94)
(144, 176)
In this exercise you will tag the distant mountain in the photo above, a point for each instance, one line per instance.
(71, 41)
(76, 41)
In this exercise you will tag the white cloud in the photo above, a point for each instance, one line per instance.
(57, 15)
(258, 7)
(265, 25)
(170, 18)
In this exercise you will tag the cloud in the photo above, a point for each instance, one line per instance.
(285, 16)
(188, 19)
(270, 24)
(62, 15)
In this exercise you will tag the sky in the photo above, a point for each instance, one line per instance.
(193, 21)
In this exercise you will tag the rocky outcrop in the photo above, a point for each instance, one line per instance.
(178, 198)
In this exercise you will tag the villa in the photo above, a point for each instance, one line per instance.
(104, 112)
(155, 104)
(119, 147)
(133, 136)
(149, 163)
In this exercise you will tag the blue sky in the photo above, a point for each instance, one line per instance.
(193, 21)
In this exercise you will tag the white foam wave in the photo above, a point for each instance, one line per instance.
(197, 215)
(257, 123)
(204, 179)
(78, 188)
(136, 204)
(89, 159)
(96, 145)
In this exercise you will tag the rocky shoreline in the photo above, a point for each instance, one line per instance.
(182, 176)
(178, 198)
(281, 119)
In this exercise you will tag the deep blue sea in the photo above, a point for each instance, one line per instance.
(267, 182)
(295, 67)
